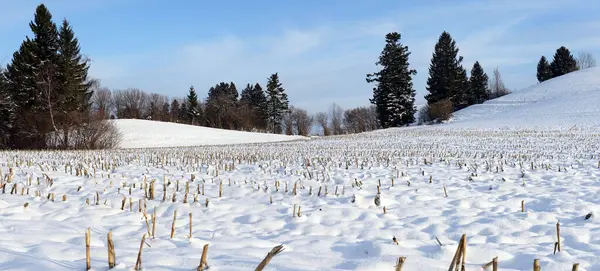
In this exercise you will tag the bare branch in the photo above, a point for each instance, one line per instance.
(585, 60)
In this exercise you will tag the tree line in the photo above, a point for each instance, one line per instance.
(254, 109)
(449, 86)
(562, 63)
(251, 110)
(47, 99)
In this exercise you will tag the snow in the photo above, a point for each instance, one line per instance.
(152, 134)
(560, 102)
(446, 182)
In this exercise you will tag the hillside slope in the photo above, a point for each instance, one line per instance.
(571, 100)
(155, 134)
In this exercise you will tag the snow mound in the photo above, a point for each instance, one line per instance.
(563, 102)
(156, 134)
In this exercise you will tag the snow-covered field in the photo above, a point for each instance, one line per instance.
(151, 134)
(570, 100)
(435, 182)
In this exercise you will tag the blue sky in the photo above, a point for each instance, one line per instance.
(321, 49)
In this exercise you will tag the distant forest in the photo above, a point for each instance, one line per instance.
(48, 100)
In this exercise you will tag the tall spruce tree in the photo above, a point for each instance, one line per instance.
(74, 89)
(277, 103)
(563, 62)
(31, 78)
(6, 111)
(258, 99)
(478, 85)
(544, 72)
(447, 78)
(394, 95)
(193, 110)
(22, 89)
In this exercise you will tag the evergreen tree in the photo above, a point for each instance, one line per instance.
(254, 97)
(22, 89)
(165, 114)
(544, 72)
(193, 110)
(394, 95)
(153, 111)
(175, 111)
(277, 103)
(74, 89)
(215, 111)
(6, 111)
(447, 78)
(31, 78)
(45, 70)
(478, 85)
(563, 62)
(460, 97)
(258, 99)
(221, 106)
(232, 92)
(183, 113)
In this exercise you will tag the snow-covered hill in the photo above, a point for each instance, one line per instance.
(567, 101)
(155, 134)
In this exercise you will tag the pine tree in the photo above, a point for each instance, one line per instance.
(193, 110)
(258, 99)
(254, 97)
(544, 72)
(165, 114)
(447, 78)
(394, 95)
(6, 111)
(563, 62)
(478, 85)
(175, 110)
(230, 102)
(22, 88)
(153, 111)
(277, 103)
(461, 90)
(74, 89)
(183, 113)
(31, 78)
(45, 51)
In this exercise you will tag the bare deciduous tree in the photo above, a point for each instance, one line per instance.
(131, 103)
(97, 134)
(155, 106)
(585, 60)
(424, 115)
(441, 110)
(103, 103)
(371, 115)
(288, 121)
(322, 120)
(360, 119)
(303, 121)
(336, 113)
(497, 87)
